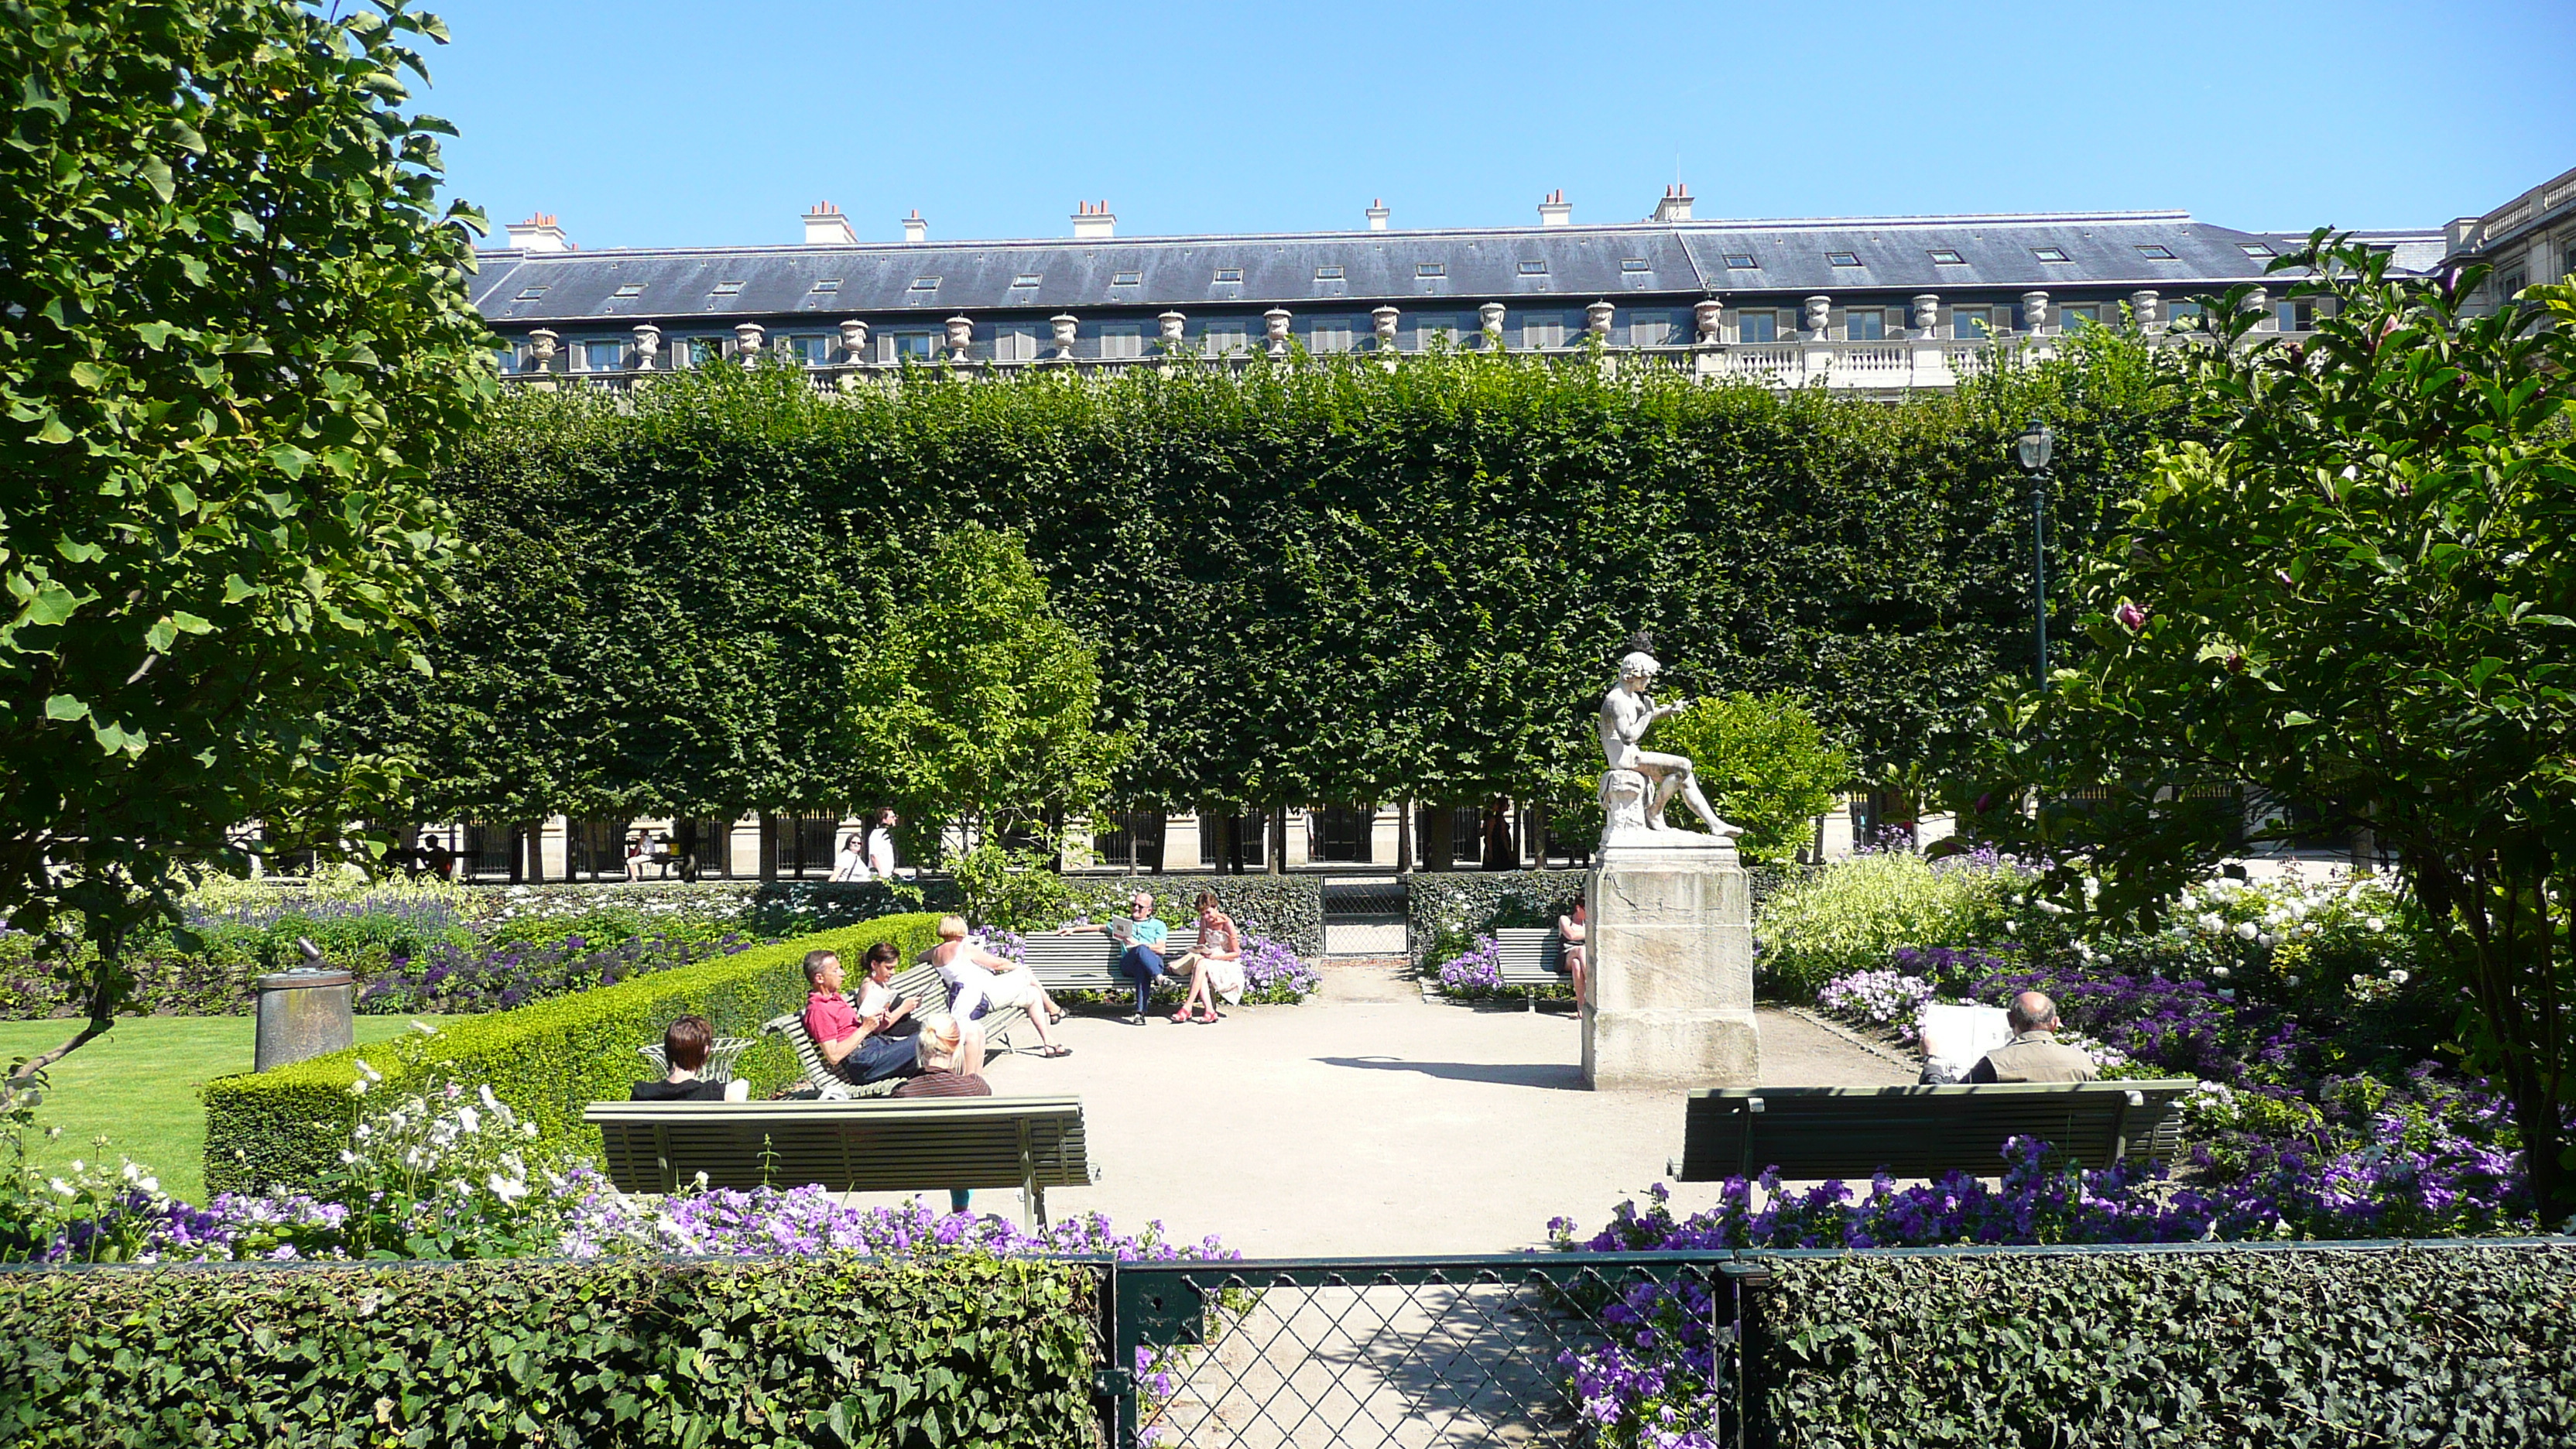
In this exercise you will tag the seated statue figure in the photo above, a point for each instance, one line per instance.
(1626, 714)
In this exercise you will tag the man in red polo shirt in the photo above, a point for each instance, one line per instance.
(851, 1047)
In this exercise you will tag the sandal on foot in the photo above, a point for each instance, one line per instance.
(1055, 1051)
(1205, 1018)
(1180, 1016)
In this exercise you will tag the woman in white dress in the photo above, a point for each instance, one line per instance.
(1215, 965)
(853, 861)
(977, 978)
(881, 844)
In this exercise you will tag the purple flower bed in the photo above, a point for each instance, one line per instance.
(1272, 972)
(1479, 972)
(452, 979)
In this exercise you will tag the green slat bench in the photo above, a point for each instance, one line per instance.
(922, 984)
(1812, 1133)
(1088, 960)
(912, 1145)
(1527, 957)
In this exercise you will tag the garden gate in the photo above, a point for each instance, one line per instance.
(1404, 1353)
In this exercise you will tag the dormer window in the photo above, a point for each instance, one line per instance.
(2049, 254)
(1635, 264)
(529, 294)
(1843, 259)
(1947, 257)
(925, 284)
(1535, 267)
(1127, 279)
(1230, 274)
(2156, 253)
(1742, 262)
(2256, 250)
(1430, 269)
(626, 290)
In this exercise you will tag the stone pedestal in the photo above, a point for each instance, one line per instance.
(1671, 962)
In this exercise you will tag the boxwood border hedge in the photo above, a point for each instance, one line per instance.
(547, 1060)
(636, 1352)
(2459, 1342)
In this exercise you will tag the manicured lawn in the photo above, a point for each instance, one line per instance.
(137, 1087)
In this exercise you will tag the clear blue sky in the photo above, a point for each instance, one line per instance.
(667, 122)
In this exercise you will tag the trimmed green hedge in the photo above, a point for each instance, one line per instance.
(1288, 909)
(649, 1352)
(547, 1061)
(2147, 1348)
(1472, 902)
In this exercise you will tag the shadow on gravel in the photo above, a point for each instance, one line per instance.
(1557, 1076)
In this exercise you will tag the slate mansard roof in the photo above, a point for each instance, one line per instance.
(1891, 257)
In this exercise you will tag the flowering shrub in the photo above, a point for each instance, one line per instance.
(1880, 998)
(1477, 972)
(1854, 914)
(1273, 974)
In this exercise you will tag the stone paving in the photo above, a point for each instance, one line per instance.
(1371, 1121)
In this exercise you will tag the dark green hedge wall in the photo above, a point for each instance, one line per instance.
(548, 1060)
(1312, 582)
(825, 1351)
(2140, 1349)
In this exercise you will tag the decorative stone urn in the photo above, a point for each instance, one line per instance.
(1491, 316)
(1065, 325)
(1384, 319)
(542, 346)
(2146, 307)
(1708, 315)
(1927, 314)
(1274, 330)
(746, 342)
(648, 345)
(1171, 324)
(1819, 317)
(961, 336)
(2259, 302)
(854, 340)
(2034, 312)
(1596, 319)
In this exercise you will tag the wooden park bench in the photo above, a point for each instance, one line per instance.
(921, 983)
(1088, 960)
(1812, 1133)
(1529, 957)
(914, 1145)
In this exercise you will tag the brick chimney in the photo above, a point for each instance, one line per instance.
(1377, 214)
(1556, 210)
(1092, 221)
(1676, 205)
(914, 228)
(826, 227)
(539, 233)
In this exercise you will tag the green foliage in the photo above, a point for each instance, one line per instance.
(1013, 889)
(1288, 909)
(841, 1350)
(233, 341)
(2170, 1350)
(1313, 581)
(1444, 911)
(547, 1061)
(1763, 763)
(976, 703)
(2357, 595)
(1848, 916)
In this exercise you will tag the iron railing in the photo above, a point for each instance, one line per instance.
(1405, 1353)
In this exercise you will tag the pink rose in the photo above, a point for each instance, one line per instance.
(2131, 617)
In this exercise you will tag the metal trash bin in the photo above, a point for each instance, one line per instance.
(306, 1012)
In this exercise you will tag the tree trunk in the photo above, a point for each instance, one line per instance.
(1439, 843)
(1403, 837)
(1278, 853)
(2505, 945)
(1538, 837)
(768, 846)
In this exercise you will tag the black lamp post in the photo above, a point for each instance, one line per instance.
(2033, 445)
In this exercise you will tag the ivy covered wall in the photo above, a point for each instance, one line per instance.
(1328, 581)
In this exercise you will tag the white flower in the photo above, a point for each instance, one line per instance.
(148, 1183)
(370, 1073)
(2290, 980)
(2247, 930)
(424, 1028)
(2266, 940)
(2218, 971)
(2376, 924)
(506, 1189)
(364, 1132)
(358, 1088)
(346, 1156)
(2210, 921)
(471, 1119)
(2399, 976)
(62, 1187)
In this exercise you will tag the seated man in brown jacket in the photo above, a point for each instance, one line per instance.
(2034, 1054)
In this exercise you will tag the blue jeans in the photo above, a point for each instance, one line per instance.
(878, 1058)
(1142, 964)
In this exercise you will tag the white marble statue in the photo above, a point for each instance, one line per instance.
(1627, 805)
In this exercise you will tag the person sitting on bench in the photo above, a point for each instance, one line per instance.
(942, 1053)
(1215, 964)
(877, 1000)
(1141, 959)
(2034, 1054)
(978, 979)
(685, 1047)
(850, 1045)
(1569, 956)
